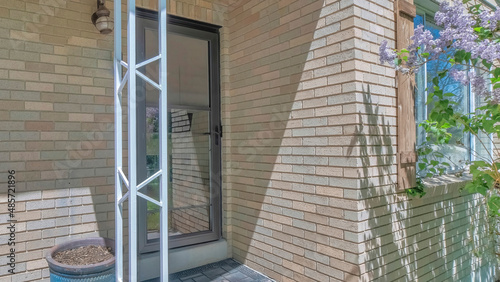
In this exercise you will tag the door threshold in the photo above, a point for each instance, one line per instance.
(183, 258)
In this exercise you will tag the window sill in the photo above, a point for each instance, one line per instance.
(445, 184)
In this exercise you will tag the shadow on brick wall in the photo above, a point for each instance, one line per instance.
(440, 237)
(267, 150)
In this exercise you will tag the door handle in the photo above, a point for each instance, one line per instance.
(218, 132)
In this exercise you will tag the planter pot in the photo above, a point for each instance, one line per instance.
(99, 272)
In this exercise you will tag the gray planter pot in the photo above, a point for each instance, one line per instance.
(101, 272)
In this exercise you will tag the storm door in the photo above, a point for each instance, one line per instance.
(194, 132)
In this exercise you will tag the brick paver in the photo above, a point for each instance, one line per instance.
(227, 270)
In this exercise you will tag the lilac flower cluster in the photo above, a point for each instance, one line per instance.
(459, 75)
(481, 88)
(458, 33)
(489, 19)
(387, 55)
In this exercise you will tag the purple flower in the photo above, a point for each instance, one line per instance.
(454, 16)
(459, 75)
(424, 39)
(421, 37)
(489, 19)
(386, 54)
(495, 96)
(459, 33)
(478, 84)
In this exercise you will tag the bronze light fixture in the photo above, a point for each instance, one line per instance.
(101, 19)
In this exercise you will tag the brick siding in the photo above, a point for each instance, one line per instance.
(57, 128)
(56, 92)
(309, 151)
(313, 145)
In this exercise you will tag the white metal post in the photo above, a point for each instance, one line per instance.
(120, 178)
(132, 142)
(118, 141)
(162, 35)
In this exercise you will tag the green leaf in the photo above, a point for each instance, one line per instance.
(459, 56)
(486, 64)
(435, 81)
(438, 93)
(482, 190)
(467, 56)
(434, 116)
(442, 73)
(470, 187)
(494, 204)
(496, 72)
(439, 155)
(488, 180)
(445, 125)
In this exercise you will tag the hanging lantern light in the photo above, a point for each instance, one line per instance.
(101, 19)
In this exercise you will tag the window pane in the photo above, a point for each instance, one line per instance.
(483, 144)
(193, 156)
(189, 134)
(152, 162)
(456, 152)
(188, 73)
(188, 68)
(421, 95)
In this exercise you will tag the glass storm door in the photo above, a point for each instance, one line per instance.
(194, 138)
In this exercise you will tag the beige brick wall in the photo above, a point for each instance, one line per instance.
(56, 130)
(56, 107)
(441, 237)
(312, 139)
(309, 151)
(295, 100)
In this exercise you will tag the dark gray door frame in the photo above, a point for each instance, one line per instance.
(210, 33)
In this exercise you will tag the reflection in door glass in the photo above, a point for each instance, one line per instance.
(190, 174)
(153, 165)
(189, 190)
(189, 171)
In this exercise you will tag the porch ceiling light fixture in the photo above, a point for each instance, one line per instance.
(101, 19)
